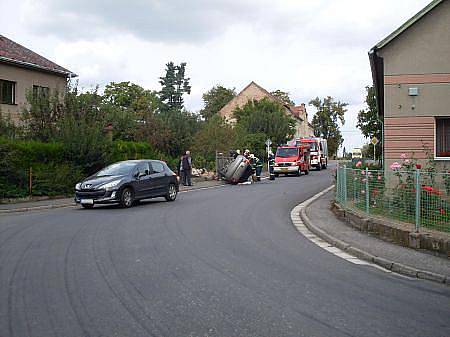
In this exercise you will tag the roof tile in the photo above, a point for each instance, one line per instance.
(17, 53)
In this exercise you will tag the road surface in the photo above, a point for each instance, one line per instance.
(218, 262)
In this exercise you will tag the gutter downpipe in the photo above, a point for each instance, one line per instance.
(376, 66)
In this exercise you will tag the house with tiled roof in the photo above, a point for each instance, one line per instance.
(254, 91)
(411, 77)
(23, 70)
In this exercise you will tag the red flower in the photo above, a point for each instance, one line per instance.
(442, 211)
(418, 166)
(427, 188)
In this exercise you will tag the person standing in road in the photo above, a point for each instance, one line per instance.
(187, 169)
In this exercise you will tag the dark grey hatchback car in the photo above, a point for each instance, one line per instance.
(126, 182)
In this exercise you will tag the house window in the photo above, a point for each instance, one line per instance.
(7, 92)
(40, 92)
(443, 137)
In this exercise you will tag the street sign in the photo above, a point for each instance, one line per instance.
(268, 142)
(374, 141)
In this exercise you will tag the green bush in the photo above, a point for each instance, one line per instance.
(56, 169)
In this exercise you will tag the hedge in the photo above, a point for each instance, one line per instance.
(54, 172)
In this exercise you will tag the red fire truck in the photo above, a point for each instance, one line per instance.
(292, 160)
(319, 151)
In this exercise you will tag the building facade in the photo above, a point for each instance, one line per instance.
(24, 72)
(254, 91)
(411, 74)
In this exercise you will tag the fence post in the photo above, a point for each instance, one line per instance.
(30, 181)
(339, 180)
(417, 200)
(367, 190)
(217, 166)
(344, 185)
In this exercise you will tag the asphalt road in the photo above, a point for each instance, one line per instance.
(218, 262)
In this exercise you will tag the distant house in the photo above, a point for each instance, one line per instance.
(255, 92)
(23, 70)
(411, 75)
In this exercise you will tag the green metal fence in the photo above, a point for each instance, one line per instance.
(417, 197)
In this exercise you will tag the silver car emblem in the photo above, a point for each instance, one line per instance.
(87, 185)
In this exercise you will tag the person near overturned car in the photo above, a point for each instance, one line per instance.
(256, 166)
(186, 164)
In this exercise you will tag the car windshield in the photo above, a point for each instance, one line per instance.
(285, 152)
(312, 145)
(117, 169)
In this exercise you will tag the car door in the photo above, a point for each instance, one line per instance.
(159, 178)
(143, 183)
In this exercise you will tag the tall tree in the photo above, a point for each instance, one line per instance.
(173, 86)
(283, 96)
(326, 121)
(215, 135)
(215, 99)
(265, 117)
(127, 103)
(368, 121)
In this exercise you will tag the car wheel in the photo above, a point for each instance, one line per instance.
(306, 171)
(87, 206)
(171, 193)
(319, 167)
(127, 198)
(276, 175)
(298, 173)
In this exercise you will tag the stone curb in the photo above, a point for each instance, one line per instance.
(363, 255)
(35, 208)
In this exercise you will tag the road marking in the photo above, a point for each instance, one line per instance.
(302, 229)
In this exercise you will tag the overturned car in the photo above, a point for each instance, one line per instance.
(237, 170)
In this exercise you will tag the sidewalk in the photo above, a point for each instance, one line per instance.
(67, 202)
(321, 216)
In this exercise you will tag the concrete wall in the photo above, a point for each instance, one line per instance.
(418, 58)
(422, 49)
(25, 79)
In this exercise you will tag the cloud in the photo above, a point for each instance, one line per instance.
(308, 48)
(151, 20)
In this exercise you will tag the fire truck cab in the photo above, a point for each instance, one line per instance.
(319, 151)
(292, 159)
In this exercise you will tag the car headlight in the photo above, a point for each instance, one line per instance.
(110, 185)
(78, 186)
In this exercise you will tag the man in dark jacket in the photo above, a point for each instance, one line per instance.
(187, 169)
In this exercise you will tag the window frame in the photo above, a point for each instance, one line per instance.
(13, 94)
(40, 91)
(436, 157)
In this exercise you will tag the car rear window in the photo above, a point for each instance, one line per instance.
(157, 167)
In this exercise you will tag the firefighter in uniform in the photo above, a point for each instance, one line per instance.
(271, 165)
(256, 165)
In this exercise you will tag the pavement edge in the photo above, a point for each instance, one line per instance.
(299, 212)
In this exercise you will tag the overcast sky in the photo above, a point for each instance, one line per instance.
(308, 48)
